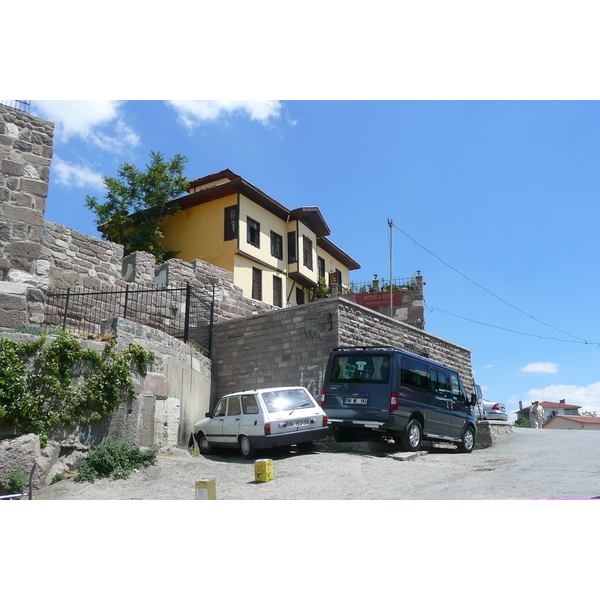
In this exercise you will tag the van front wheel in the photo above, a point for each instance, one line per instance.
(411, 440)
(468, 441)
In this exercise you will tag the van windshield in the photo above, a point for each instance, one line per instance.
(287, 400)
(371, 368)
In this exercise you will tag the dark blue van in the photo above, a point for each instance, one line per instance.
(395, 393)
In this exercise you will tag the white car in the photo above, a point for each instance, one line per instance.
(264, 418)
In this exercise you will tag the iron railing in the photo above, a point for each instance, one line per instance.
(178, 311)
(383, 284)
(23, 105)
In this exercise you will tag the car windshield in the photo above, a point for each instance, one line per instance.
(372, 368)
(287, 400)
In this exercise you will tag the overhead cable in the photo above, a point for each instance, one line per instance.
(583, 340)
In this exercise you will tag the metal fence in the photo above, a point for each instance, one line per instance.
(384, 284)
(23, 105)
(178, 311)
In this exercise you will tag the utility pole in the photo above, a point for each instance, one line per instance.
(391, 224)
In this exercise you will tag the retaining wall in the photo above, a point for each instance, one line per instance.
(291, 346)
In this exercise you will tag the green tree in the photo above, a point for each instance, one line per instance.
(138, 202)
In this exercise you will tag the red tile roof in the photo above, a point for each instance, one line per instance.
(579, 418)
(558, 405)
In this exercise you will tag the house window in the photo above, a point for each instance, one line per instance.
(276, 245)
(299, 296)
(335, 277)
(321, 267)
(253, 237)
(277, 292)
(307, 253)
(231, 219)
(291, 238)
(256, 284)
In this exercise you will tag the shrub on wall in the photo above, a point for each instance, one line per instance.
(39, 387)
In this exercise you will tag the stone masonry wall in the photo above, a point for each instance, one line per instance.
(25, 155)
(174, 394)
(291, 346)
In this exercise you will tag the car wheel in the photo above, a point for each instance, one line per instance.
(411, 440)
(343, 434)
(306, 446)
(468, 440)
(247, 448)
(203, 444)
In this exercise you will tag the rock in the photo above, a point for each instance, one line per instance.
(25, 452)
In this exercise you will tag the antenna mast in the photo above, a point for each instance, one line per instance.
(391, 224)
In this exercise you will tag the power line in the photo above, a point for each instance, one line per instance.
(431, 308)
(583, 340)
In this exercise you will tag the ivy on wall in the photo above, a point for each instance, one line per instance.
(59, 384)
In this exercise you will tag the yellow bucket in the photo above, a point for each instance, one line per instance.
(263, 469)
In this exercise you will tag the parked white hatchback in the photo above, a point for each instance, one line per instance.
(264, 418)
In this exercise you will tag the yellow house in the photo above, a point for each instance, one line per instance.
(276, 254)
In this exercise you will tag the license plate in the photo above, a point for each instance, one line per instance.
(355, 401)
(288, 424)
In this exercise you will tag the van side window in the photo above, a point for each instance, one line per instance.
(249, 405)
(440, 382)
(457, 389)
(415, 373)
(234, 407)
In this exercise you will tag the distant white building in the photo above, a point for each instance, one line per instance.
(551, 409)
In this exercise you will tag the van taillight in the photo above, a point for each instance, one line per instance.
(267, 428)
(394, 401)
(324, 420)
(323, 399)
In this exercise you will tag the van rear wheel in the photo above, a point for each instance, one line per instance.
(411, 440)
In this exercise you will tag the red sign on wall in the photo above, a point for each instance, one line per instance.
(379, 299)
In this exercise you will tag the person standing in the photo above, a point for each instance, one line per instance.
(536, 415)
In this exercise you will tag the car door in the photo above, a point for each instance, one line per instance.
(439, 415)
(214, 431)
(460, 408)
(231, 422)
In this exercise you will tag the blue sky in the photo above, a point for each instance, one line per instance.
(495, 202)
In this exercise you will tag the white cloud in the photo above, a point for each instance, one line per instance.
(79, 176)
(540, 367)
(588, 397)
(86, 118)
(193, 112)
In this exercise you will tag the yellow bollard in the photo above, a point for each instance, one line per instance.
(263, 469)
(206, 489)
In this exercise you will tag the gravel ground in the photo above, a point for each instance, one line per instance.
(524, 464)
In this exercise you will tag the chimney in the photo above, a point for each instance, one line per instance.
(520, 405)
(562, 402)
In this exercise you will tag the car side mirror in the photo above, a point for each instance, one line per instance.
(473, 400)
(208, 415)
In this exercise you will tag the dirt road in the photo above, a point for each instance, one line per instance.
(524, 464)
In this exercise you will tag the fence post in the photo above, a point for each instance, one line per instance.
(210, 327)
(186, 328)
(66, 309)
(126, 299)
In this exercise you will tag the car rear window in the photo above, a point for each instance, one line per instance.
(371, 368)
(287, 400)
